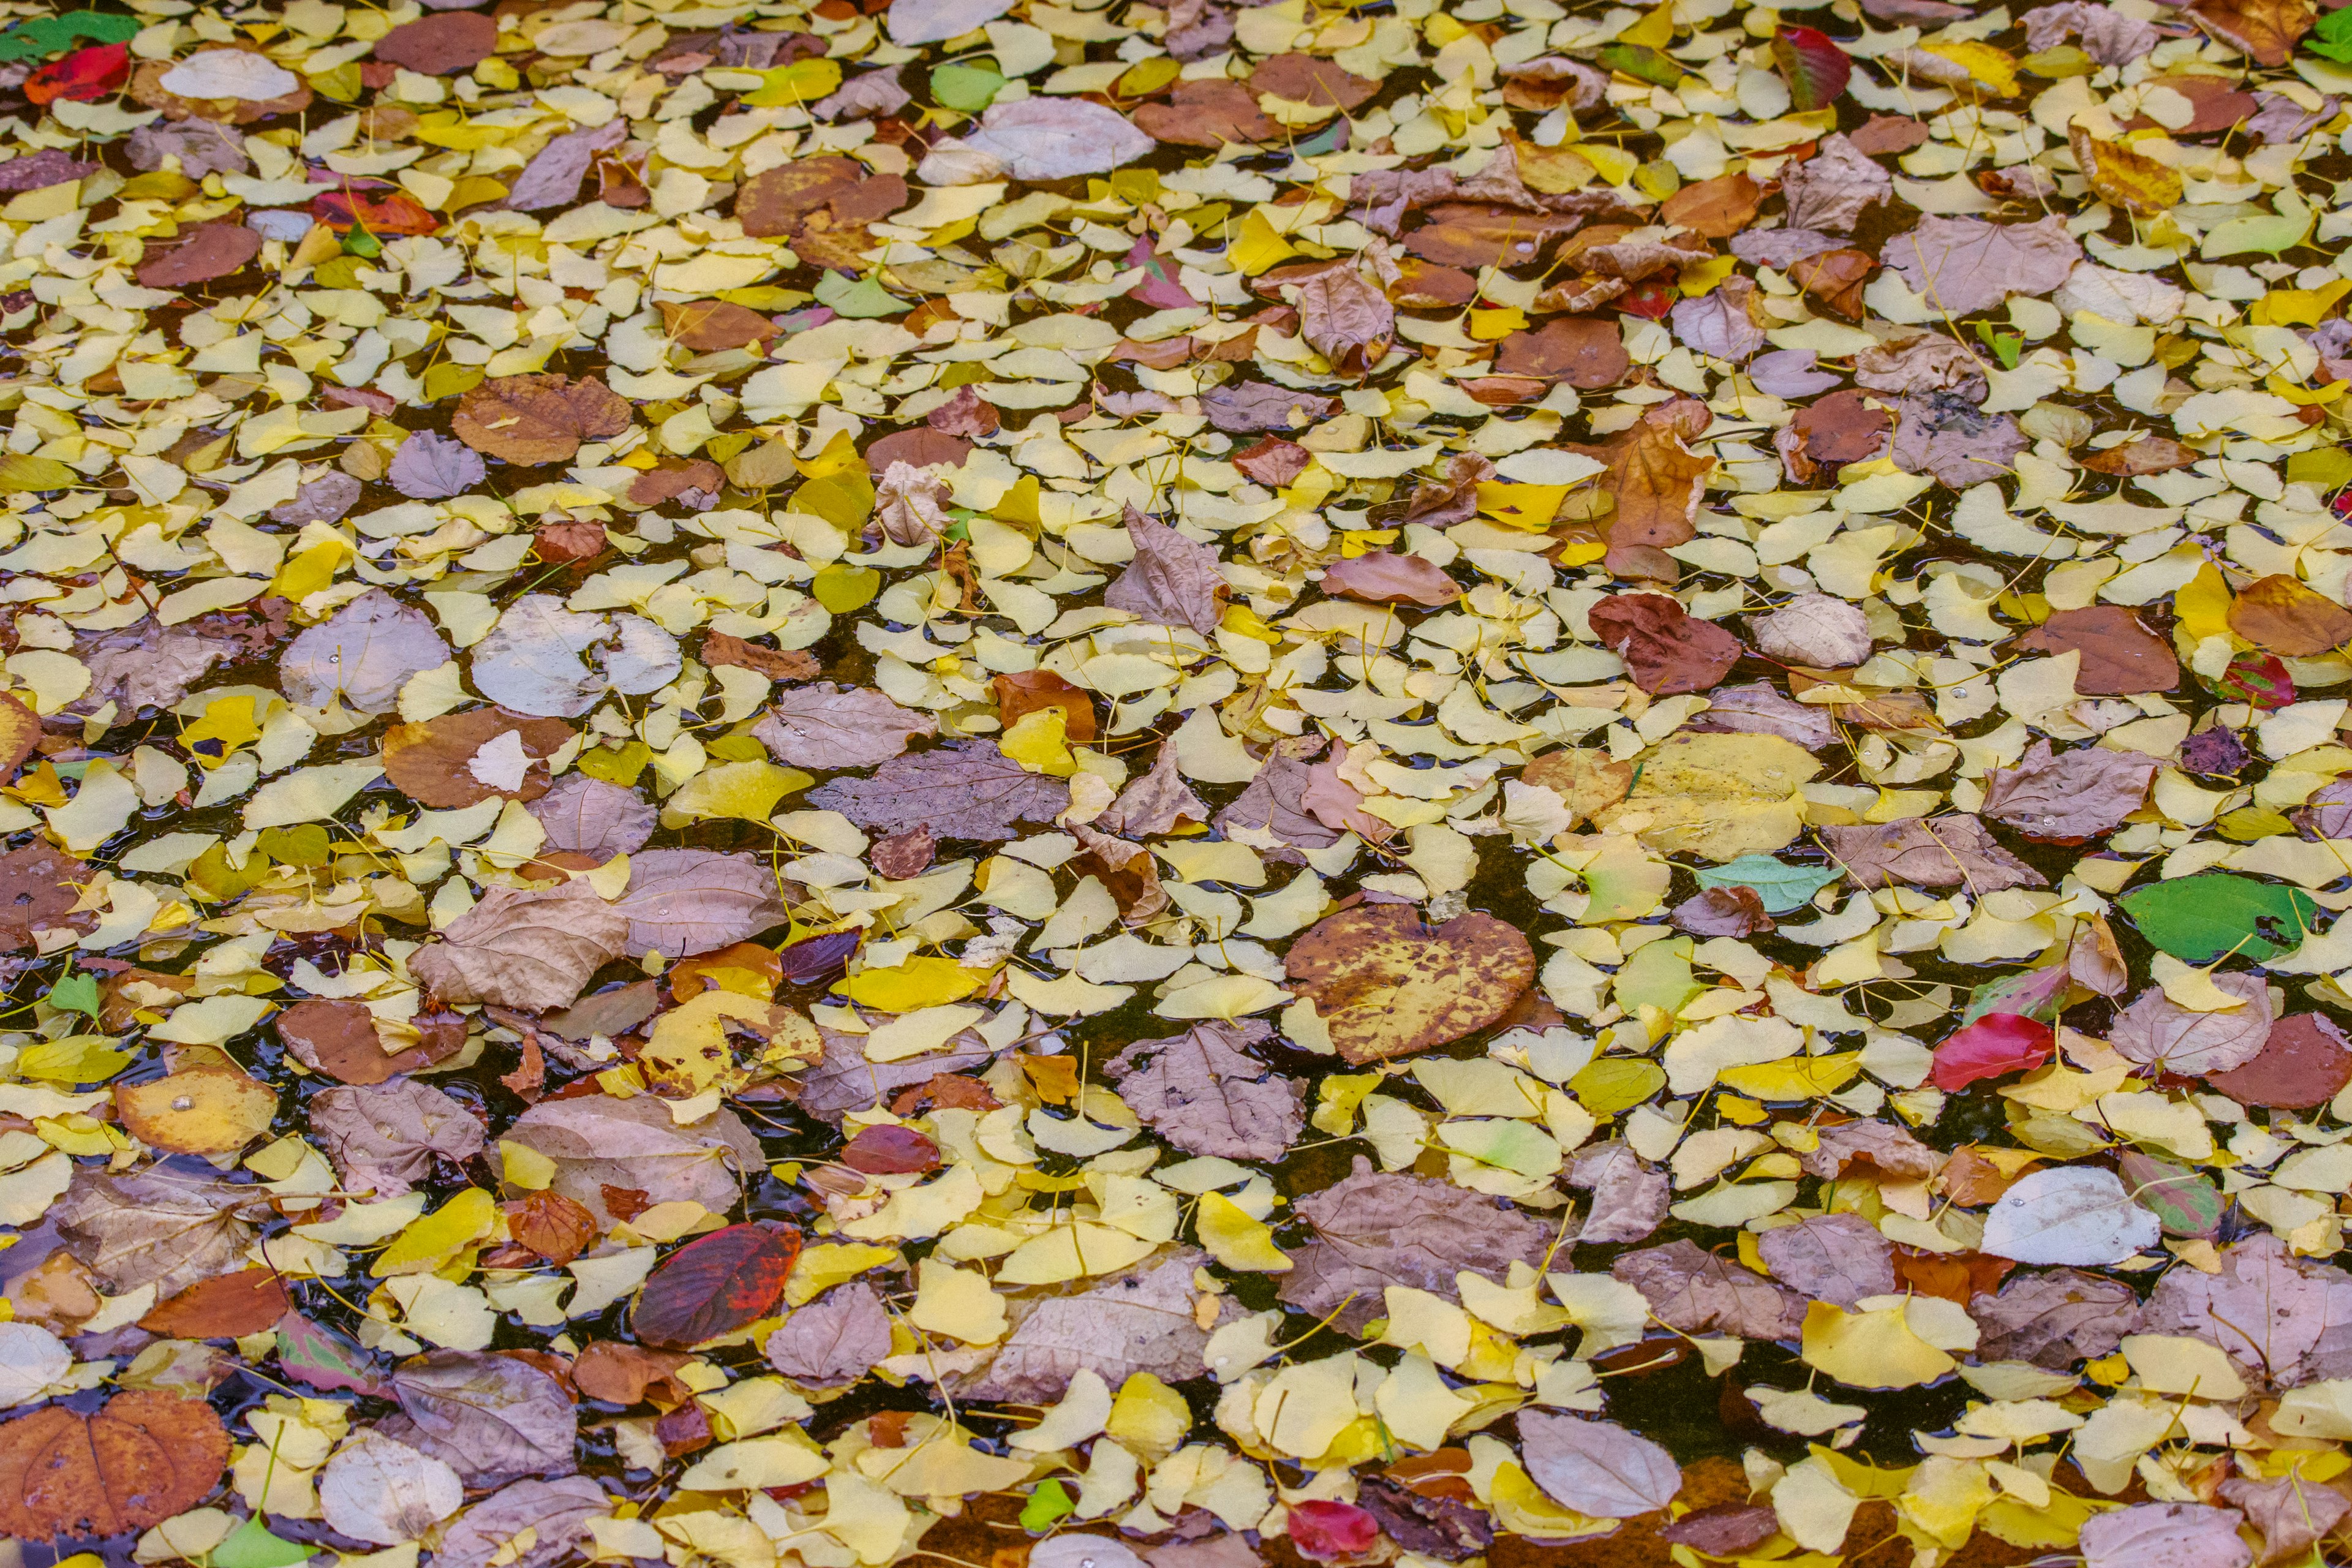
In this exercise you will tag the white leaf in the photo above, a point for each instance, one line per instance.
(933, 21)
(1055, 138)
(501, 763)
(31, 1358)
(379, 1491)
(229, 73)
(2076, 1213)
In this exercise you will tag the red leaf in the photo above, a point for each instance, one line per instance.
(727, 1280)
(1650, 301)
(885, 1149)
(1816, 69)
(85, 75)
(378, 212)
(1995, 1043)
(1326, 1530)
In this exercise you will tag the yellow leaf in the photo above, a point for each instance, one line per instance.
(427, 1244)
(1997, 68)
(2132, 181)
(203, 1111)
(2298, 306)
(1258, 246)
(957, 1302)
(1870, 1350)
(1039, 742)
(1236, 1240)
(1800, 1077)
(1521, 506)
(749, 791)
(919, 981)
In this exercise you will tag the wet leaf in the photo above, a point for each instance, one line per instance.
(715, 1284)
(136, 1461)
(1387, 985)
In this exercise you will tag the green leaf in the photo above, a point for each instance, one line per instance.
(2331, 38)
(970, 88)
(861, 297)
(51, 35)
(2038, 993)
(1047, 1503)
(1783, 887)
(2200, 918)
(2183, 1202)
(74, 993)
(1642, 63)
(251, 1545)
(310, 1354)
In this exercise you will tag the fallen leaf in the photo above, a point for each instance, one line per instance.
(532, 419)
(228, 1306)
(491, 1418)
(588, 817)
(600, 1145)
(1665, 647)
(1962, 265)
(429, 467)
(2165, 1535)
(829, 726)
(551, 1515)
(2281, 615)
(682, 902)
(1173, 581)
(2121, 657)
(377, 1491)
(1372, 1230)
(1698, 1292)
(2069, 797)
(2267, 30)
(1598, 1467)
(715, 1284)
(1836, 1257)
(533, 949)
(203, 1110)
(1386, 985)
(1204, 1093)
(833, 1340)
(442, 44)
(463, 759)
(2305, 1060)
(364, 654)
(142, 1457)
(963, 789)
(2077, 1215)
(1139, 1320)
(385, 1137)
(1055, 138)
(201, 253)
(2158, 1031)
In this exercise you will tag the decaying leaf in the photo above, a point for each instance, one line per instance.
(1387, 985)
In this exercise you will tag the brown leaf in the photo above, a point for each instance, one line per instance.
(772, 202)
(441, 44)
(2055, 1319)
(829, 726)
(457, 759)
(1834, 278)
(965, 415)
(589, 816)
(1207, 113)
(20, 735)
(1346, 319)
(1304, 79)
(1386, 985)
(1173, 581)
(1654, 483)
(709, 325)
(623, 1373)
(199, 254)
(2292, 1513)
(532, 949)
(542, 418)
(2158, 1031)
(1716, 208)
(1372, 1230)
(1204, 1093)
(692, 478)
(597, 1142)
(1025, 691)
(963, 789)
(715, 1284)
(833, 1340)
(1829, 190)
(385, 1137)
(491, 1418)
(1589, 781)
(1240, 407)
(1475, 233)
(684, 902)
(1834, 1257)
(786, 664)
(562, 543)
(1139, 1320)
(1943, 435)
(1665, 647)
(2148, 455)
(2070, 796)
(1159, 801)
(2305, 1061)
(1844, 426)
(1734, 911)
(2266, 30)
(904, 854)
(2219, 105)
(1726, 1530)
(1381, 577)
(1878, 1146)
(552, 1225)
(156, 1227)
(38, 890)
(143, 1457)
(1889, 133)
(227, 1306)
(2120, 656)
(2281, 615)
(919, 449)
(1951, 851)
(1698, 1292)
(1963, 265)
(1629, 1194)
(1424, 287)
(1586, 351)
